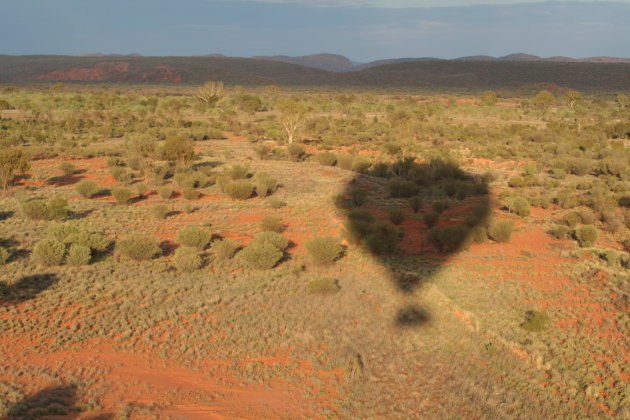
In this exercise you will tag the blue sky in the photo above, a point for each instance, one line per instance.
(363, 30)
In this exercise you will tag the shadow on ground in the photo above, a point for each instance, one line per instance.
(412, 217)
(28, 287)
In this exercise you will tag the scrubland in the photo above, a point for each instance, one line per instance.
(268, 253)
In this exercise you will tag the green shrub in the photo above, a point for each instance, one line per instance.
(39, 209)
(611, 257)
(187, 259)
(237, 171)
(383, 238)
(430, 219)
(400, 188)
(265, 184)
(67, 168)
(159, 211)
(396, 215)
(358, 196)
(275, 203)
(165, 192)
(517, 182)
(344, 162)
(360, 165)
(560, 231)
(49, 252)
(586, 235)
(271, 224)
(296, 152)
(78, 255)
(262, 256)
(120, 174)
(239, 190)
(138, 247)
(415, 203)
(501, 231)
(72, 234)
(327, 159)
(142, 189)
(572, 219)
(122, 195)
(191, 194)
(86, 188)
(224, 249)
(194, 237)
(439, 206)
(450, 238)
(324, 250)
(272, 238)
(323, 286)
(479, 234)
(4, 255)
(262, 151)
(519, 205)
(536, 321)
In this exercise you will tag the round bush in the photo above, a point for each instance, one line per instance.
(399, 188)
(159, 211)
(430, 219)
(501, 231)
(122, 195)
(586, 235)
(273, 238)
(38, 209)
(239, 190)
(520, 206)
(265, 184)
(327, 159)
(49, 252)
(271, 224)
(67, 168)
(165, 192)
(190, 193)
(324, 250)
(450, 238)
(323, 286)
(224, 249)
(416, 203)
(187, 259)
(78, 255)
(86, 188)
(396, 216)
(194, 237)
(262, 256)
(138, 247)
(4, 255)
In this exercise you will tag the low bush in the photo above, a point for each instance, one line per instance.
(396, 215)
(165, 192)
(323, 286)
(560, 231)
(78, 255)
(324, 250)
(121, 174)
(122, 195)
(586, 235)
(327, 159)
(4, 255)
(358, 196)
(159, 211)
(501, 231)
(415, 203)
(49, 252)
(142, 189)
(611, 257)
(86, 188)
(271, 224)
(479, 234)
(67, 168)
(265, 184)
(430, 219)
(519, 205)
(187, 259)
(272, 238)
(400, 188)
(262, 256)
(224, 249)
(194, 237)
(383, 238)
(536, 321)
(439, 206)
(344, 162)
(239, 190)
(39, 209)
(450, 238)
(360, 165)
(138, 247)
(191, 193)
(236, 171)
(275, 203)
(296, 152)
(572, 219)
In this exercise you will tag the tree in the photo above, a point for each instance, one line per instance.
(12, 162)
(543, 100)
(488, 98)
(622, 100)
(571, 98)
(210, 93)
(292, 115)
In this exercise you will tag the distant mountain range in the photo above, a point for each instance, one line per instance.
(339, 63)
(517, 72)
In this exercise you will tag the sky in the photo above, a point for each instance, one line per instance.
(362, 30)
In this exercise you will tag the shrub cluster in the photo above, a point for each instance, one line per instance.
(586, 235)
(265, 184)
(86, 188)
(187, 258)
(323, 286)
(39, 209)
(240, 189)
(194, 237)
(138, 247)
(324, 250)
(122, 195)
(327, 158)
(70, 244)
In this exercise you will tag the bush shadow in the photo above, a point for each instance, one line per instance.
(412, 217)
(28, 287)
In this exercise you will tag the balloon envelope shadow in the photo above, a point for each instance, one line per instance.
(412, 217)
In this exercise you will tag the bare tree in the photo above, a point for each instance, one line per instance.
(571, 98)
(292, 116)
(210, 93)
